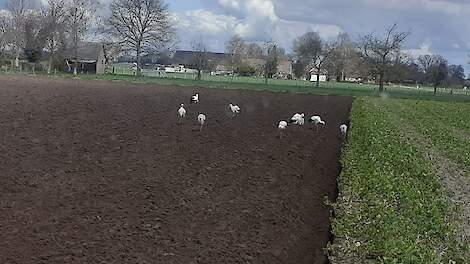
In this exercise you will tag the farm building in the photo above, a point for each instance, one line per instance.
(323, 76)
(89, 57)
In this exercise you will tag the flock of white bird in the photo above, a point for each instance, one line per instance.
(296, 119)
(201, 118)
(299, 119)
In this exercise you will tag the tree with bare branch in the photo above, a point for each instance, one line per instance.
(6, 34)
(380, 52)
(271, 59)
(313, 53)
(435, 68)
(19, 10)
(80, 15)
(199, 60)
(345, 59)
(141, 27)
(55, 17)
(235, 48)
(110, 51)
(34, 36)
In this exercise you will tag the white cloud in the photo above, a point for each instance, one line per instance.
(286, 31)
(205, 22)
(424, 49)
(253, 20)
(234, 4)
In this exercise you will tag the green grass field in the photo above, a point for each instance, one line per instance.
(393, 206)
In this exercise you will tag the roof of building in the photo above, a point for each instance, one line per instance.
(87, 51)
(184, 57)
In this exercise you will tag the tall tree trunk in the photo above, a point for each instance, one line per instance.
(49, 69)
(318, 77)
(17, 59)
(199, 74)
(75, 63)
(138, 61)
(435, 88)
(381, 82)
(51, 59)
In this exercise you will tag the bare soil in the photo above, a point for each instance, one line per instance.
(102, 172)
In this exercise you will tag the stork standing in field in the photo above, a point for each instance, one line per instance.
(316, 120)
(201, 118)
(235, 109)
(195, 99)
(282, 126)
(298, 119)
(182, 112)
(344, 129)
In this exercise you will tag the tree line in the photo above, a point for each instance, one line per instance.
(49, 31)
(375, 57)
(143, 28)
(29, 31)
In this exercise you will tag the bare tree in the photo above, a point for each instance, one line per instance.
(271, 60)
(305, 48)
(35, 35)
(6, 35)
(380, 52)
(345, 59)
(200, 61)
(141, 26)
(322, 58)
(253, 51)
(312, 52)
(424, 62)
(435, 68)
(110, 51)
(235, 47)
(19, 10)
(456, 75)
(80, 14)
(55, 17)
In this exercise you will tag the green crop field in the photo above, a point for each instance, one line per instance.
(393, 205)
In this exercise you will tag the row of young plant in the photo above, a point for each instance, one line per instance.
(391, 206)
(446, 125)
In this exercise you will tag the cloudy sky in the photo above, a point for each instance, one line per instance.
(437, 26)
